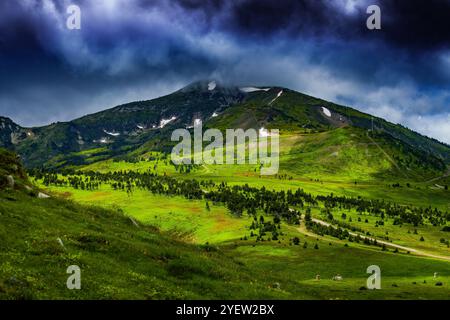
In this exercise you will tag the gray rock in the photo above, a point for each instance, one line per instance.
(10, 181)
(43, 195)
(133, 221)
(14, 281)
(61, 243)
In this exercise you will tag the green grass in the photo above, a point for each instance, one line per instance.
(321, 163)
(191, 221)
(121, 261)
(166, 257)
(185, 219)
(295, 269)
(399, 234)
(118, 260)
(90, 152)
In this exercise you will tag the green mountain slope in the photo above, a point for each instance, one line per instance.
(135, 128)
(122, 259)
(11, 134)
(351, 153)
(121, 128)
(296, 111)
(41, 238)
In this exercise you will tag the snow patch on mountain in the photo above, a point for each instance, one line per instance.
(278, 95)
(212, 85)
(215, 114)
(253, 89)
(164, 122)
(102, 140)
(114, 134)
(197, 122)
(140, 127)
(326, 111)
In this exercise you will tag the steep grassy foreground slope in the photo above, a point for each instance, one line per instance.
(40, 238)
(117, 259)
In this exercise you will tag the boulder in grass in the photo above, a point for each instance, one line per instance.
(61, 243)
(276, 285)
(43, 195)
(10, 181)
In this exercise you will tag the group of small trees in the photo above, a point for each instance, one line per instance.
(244, 199)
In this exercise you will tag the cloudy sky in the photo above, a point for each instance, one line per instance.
(139, 49)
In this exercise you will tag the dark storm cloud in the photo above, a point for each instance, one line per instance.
(417, 24)
(139, 49)
(413, 24)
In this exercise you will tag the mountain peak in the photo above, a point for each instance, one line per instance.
(202, 85)
(211, 86)
(7, 122)
(5, 119)
(217, 104)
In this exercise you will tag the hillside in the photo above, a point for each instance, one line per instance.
(40, 238)
(123, 258)
(11, 134)
(132, 130)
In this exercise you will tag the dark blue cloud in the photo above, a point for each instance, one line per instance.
(139, 49)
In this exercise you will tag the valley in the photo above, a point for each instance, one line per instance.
(347, 195)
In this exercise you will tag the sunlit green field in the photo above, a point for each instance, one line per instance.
(188, 220)
(316, 168)
(191, 220)
(406, 275)
(122, 261)
(287, 271)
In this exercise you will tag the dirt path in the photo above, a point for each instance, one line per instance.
(386, 154)
(439, 178)
(396, 165)
(387, 244)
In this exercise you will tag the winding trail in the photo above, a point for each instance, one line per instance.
(439, 178)
(387, 155)
(387, 244)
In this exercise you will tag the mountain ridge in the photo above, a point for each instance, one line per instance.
(129, 126)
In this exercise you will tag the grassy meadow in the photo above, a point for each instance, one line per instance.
(144, 245)
(281, 269)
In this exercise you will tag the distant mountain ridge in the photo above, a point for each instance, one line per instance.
(130, 126)
(11, 133)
